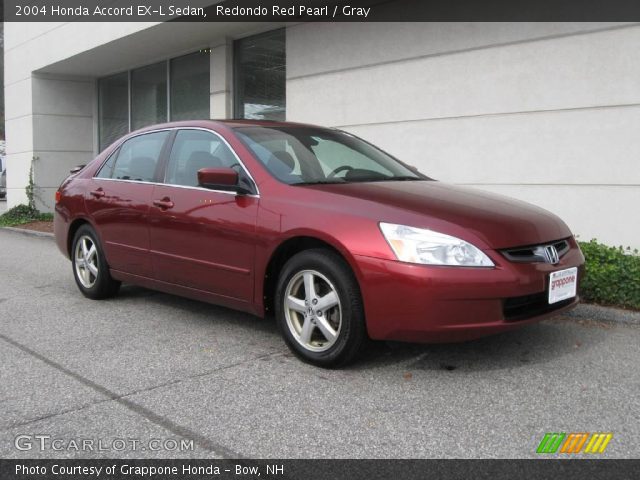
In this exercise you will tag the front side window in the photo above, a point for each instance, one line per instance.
(137, 158)
(302, 155)
(260, 76)
(193, 150)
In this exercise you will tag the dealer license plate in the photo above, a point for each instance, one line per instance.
(563, 284)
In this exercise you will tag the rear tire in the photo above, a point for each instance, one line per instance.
(90, 268)
(319, 310)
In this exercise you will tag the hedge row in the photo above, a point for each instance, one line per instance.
(612, 275)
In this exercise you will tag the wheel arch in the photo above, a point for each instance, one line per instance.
(73, 228)
(287, 249)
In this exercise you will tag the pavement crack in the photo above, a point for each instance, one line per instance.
(179, 430)
(231, 365)
(53, 415)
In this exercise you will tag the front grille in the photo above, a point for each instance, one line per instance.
(535, 253)
(529, 306)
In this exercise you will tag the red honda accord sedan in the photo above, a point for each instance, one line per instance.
(338, 240)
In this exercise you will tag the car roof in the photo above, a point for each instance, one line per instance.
(235, 123)
(228, 123)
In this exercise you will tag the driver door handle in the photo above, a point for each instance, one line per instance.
(163, 204)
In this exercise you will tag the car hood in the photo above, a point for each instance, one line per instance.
(499, 221)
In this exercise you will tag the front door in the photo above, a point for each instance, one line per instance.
(200, 238)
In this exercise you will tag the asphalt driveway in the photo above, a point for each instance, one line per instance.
(147, 366)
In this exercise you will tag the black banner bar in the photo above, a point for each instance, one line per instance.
(318, 469)
(321, 10)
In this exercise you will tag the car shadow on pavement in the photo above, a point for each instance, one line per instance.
(200, 311)
(533, 344)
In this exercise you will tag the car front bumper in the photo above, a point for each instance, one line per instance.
(420, 303)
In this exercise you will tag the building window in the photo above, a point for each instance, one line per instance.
(113, 108)
(144, 96)
(260, 76)
(189, 86)
(148, 95)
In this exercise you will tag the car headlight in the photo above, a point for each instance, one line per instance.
(419, 245)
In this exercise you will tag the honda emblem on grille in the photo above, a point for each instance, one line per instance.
(551, 254)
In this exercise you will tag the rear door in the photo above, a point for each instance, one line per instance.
(199, 238)
(120, 198)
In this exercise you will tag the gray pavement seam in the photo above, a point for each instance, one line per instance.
(135, 392)
(53, 415)
(179, 430)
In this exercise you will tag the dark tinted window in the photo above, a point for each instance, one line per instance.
(193, 150)
(113, 108)
(138, 157)
(260, 76)
(144, 96)
(149, 95)
(190, 87)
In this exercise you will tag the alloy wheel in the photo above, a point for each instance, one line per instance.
(312, 310)
(86, 261)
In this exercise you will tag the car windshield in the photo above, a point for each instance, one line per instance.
(306, 155)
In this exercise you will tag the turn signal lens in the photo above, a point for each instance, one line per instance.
(58, 196)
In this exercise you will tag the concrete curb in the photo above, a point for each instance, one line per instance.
(583, 310)
(25, 231)
(605, 314)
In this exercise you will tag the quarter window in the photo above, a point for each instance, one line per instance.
(193, 150)
(106, 171)
(137, 158)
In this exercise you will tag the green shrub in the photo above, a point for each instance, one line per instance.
(22, 214)
(612, 275)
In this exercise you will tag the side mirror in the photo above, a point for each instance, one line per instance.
(225, 179)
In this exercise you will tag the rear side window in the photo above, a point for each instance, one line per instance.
(136, 159)
(107, 169)
(193, 150)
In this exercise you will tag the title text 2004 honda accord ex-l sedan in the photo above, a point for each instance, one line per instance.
(337, 239)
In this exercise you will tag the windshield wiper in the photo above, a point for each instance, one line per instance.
(405, 178)
(319, 182)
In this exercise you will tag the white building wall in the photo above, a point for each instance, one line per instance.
(49, 117)
(50, 75)
(63, 112)
(548, 113)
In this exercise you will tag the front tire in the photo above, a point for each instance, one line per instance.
(90, 268)
(319, 309)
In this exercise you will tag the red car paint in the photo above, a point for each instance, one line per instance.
(217, 247)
